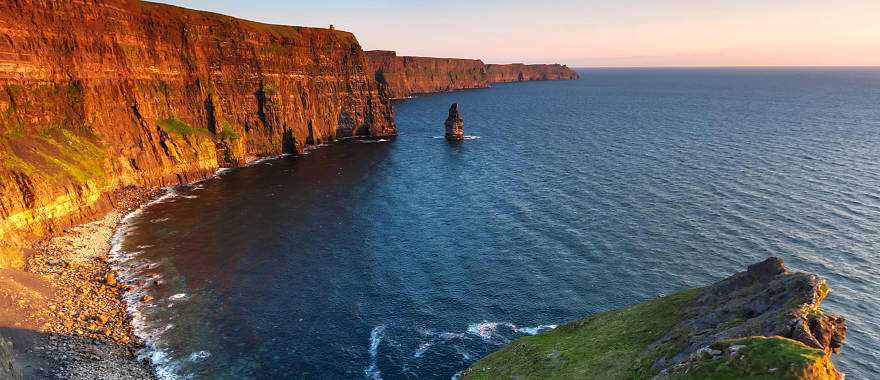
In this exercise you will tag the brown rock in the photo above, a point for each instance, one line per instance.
(454, 124)
(110, 279)
(403, 76)
(173, 94)
(147, 298)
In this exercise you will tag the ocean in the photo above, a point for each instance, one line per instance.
(412, 258)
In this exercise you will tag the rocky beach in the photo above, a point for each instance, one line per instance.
(64, 312)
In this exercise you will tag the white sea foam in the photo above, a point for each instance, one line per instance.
(261, 160)
(535, 330)
(159, 220)
(376, 335)
(368, 141)
(466, 137)
(199, 356)
(440, 338)
(131, 269)
(423, 348)
(488, 331)
(178, 297)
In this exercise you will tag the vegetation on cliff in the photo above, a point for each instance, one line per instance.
(161, 96)
(764, 323)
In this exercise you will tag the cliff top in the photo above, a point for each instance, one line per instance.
(765, 322)
(255, 25)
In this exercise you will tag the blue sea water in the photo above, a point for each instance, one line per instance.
(413, 258)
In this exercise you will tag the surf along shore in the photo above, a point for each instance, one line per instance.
(64, 312)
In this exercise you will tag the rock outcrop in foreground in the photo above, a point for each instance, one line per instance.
(763, 323)
(99, 95)
(454, 124)
(403, 76)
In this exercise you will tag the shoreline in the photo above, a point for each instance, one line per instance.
(66, 311)
(70, 320)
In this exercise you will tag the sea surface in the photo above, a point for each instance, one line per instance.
(413, 258)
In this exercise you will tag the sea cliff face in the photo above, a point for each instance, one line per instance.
(518, 72)
(765, 322)
(403, 76)
(99, 95)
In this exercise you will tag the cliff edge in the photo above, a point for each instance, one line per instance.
(764, 323)
(403, 76)
(99, 95)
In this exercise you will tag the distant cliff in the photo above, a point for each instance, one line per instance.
(763, 323)
(404, 76)
(97, 95)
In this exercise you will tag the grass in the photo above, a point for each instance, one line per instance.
(759, 358)
(609, 345)
(175, 125)
(227, 133)
(12, 125)
(270, 89)
(56, 153)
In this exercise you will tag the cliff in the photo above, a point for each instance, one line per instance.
(763, 323)
(98, 95)
(403, 76)
(518, 72)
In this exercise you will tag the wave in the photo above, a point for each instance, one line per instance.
(198, 356)
(261, 160)
(466, 137)
(489, 331)
(369, 141)
(136, 272)
(178, 297)
(376, 336)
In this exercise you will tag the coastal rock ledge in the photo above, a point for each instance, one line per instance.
(765, 322)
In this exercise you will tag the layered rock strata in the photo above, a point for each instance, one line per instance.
(98, 95)
(403, 76)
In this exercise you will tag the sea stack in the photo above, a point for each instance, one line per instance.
(454, 124)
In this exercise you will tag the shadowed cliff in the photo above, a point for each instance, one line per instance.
(103, 94)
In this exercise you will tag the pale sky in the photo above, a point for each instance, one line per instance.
(595, 32)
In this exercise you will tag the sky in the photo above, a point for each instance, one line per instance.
(594, 33)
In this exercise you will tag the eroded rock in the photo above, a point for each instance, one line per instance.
(765, 300)
(454, 124)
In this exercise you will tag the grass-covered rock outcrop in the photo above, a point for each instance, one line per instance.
(764, 323)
